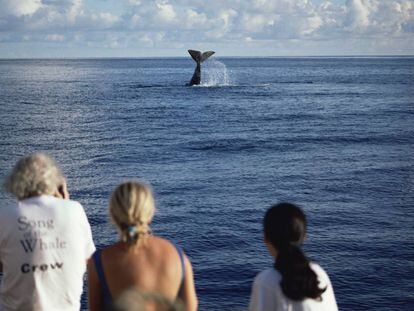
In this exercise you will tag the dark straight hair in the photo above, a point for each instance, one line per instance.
(285, 228)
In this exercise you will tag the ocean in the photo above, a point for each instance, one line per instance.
(333, 135)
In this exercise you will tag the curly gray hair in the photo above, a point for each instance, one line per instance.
(34, 175)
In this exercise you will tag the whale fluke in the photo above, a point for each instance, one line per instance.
(198, 58)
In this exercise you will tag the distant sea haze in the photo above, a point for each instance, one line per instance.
(333, 135)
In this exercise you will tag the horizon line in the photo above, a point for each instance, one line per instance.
(227, 56)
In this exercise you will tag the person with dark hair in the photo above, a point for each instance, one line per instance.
(294, 283)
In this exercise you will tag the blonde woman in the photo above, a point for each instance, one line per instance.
(138, 260)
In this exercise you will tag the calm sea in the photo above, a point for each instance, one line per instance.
(334, 135)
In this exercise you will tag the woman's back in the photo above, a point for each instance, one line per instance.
(293, 283)
(149, 264)
(152, 267)
(267, 293)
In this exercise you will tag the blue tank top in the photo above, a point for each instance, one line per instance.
(107, 297)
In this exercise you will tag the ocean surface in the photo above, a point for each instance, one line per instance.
(334, 135)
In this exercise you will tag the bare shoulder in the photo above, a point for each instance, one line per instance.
(162, 244)
(155, 247)
(164, 248)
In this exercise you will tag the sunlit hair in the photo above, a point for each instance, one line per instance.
(134, 300)
(131, 208)
(34, 175)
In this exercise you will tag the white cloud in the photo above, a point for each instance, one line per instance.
(134, 21)
(311, 24)
(104, 19)
(134, 2)
(165, 12)
(193, 19)
(146, 40)
(55, 37)
(75, 9)
(114, 44)
(78, 37)
(255, 22)
(358, 14)
(178, 23)
(19, 7)
(227, 17)
(379, 18)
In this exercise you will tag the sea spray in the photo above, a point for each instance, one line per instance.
(215, 73)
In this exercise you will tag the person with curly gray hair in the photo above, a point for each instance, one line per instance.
(45, 239)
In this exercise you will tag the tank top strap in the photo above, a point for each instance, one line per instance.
(101, 276)
(181, 254)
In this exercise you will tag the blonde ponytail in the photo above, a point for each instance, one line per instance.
(131, 208)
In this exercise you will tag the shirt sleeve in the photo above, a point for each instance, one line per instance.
(262, 297)
(328, 296)
(87, 232)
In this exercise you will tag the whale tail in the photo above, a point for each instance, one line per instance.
(199, 58)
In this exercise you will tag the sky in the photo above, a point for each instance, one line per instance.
(167, 28)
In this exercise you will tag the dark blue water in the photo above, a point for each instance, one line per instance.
(335, 135)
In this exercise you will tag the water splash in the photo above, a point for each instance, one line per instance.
(215, 73)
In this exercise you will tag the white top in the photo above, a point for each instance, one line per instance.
(267, 294)
(44, 245)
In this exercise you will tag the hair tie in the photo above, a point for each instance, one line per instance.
(132, 232)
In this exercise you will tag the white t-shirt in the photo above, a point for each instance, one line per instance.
(44, 245)
(267, 295)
